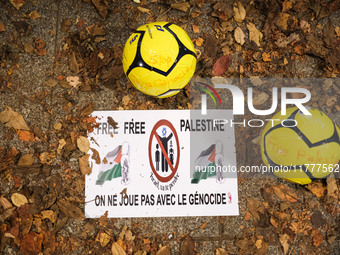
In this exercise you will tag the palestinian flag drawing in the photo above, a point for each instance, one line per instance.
(206, 163)
(115, 167)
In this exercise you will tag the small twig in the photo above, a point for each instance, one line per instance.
(163, 13)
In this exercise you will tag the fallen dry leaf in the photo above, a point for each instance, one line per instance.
(285, 61)
(331, 238)
(70, 210)
(26, 220)
(266, 57)
(274, 222)
(111, 122)
(305, 26)
(294, 226)
(317, 189)
(51, 83)
(57, 126)
(122, 244)
(285, 193)
(195, 29)
(283, 21)
(317, 237)
(256, 80)
(195, 14)
(255, 207)
(124, 192)
(17, 3)
(221, 65)
(19, 199)
(83, 144)
(103, 238)
(17, 181)
(243, 244)
(101, 55)
(329, 35)
(25, 135)
(199, 42)
(165, 250)
(49, 243)
(123, 232)
(73, 63)
(126, 100)
(14, 231)
(61, 145)
(211, 46)
(187, 247)
(31, 243)
(34, 15)
(96, 30)
(144, 10)
(220, 251)
(40, 47)
(2, 27)
(101, 7)
(284, 41)
(287, 5)
(9, 235)
(117, 249)
(95, 156)
(284, 242)
(256, 140)
(26, 160)
(240, 12)
(247, 216)
(46, 158)
(10, 155)
(261, 98)
(65, 24)
(181, 6)
(49, 214)
(129, 236)
(74, 81)
(140, 252)
(332, 187)
(239, 35)
(258, 243)
(254, 34)
(300, 49)
(5, 203)
(337, 31)
(84, 165)
(103, 220)
(13, 119)
(28, 47)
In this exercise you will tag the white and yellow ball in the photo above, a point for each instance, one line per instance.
(159, 59)
(299, 154)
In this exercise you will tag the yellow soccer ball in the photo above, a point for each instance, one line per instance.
(302, 148)
(159, 59)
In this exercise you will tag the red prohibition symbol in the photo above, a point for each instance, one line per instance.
(173, 168)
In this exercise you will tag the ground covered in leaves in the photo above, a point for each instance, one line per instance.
(60, 60)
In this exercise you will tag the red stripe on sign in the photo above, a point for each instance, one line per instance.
(213, 155)
(119, 156)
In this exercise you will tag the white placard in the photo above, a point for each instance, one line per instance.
(146, 167)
